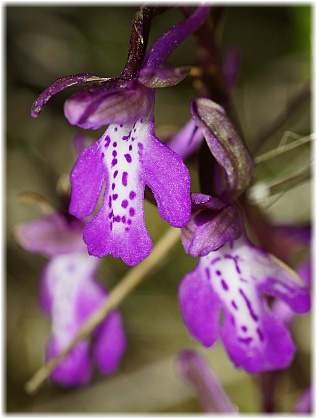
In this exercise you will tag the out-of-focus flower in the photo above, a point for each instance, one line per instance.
(69, 294)
(305, 402)
(193, 367)
(128, 156)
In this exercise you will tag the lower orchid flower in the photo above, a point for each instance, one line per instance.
(236, 279)
(70, 293)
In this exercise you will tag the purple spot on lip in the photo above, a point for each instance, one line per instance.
(102, 155)
(132, 195)
(124, 203)
(126, 137)
(123, 219)
(132, 211)
(114, 153)
(247, 341)
(128, 158)
(121, 125)
(114, 162)
(140, 145)
(115, 129)
(115, 144)
(224, 285)
(244, 328)
(107, 141)
(234, 305)
(127, 229)
(115, 196)
(109, 202)
(130, 147)
(215, 260)
(218, 273)
(117, 218)
(113, 186)
(125, 178)
(207, 273)
(129, 221)
(248, 303)
(115, 174)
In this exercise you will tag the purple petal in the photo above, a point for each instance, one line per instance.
(75, 370)
(187, 140)
(110, 344)
(81, 142)
(305, 402)
(210, 228)
(266, 347)
(87, 179)
(169, 180)
(51, 235)
(166, 44)
(200, 305)
(66, 278)
(277, 279)
(164, 76)
(225, 144)
(60, 85)
(100, 105)
(119, 227)
(211, 395)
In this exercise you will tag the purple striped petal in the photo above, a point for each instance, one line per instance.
(239, 274)
(58, 86)
(212, 224)
(101, 104)
(128, 157)
(51, 235)
(169, 41)
(225, 145)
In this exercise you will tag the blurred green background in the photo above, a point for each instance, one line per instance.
(48, 42)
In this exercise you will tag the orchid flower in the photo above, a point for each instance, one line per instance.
(69, 294)
(235, 279)
(233, 276)
(128, 156)
(212, 397)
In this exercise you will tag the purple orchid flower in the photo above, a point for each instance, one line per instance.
(235, 279)
(232, 275)
(128, 156)
(69, 294)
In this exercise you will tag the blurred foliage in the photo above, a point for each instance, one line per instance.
(47, 42)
